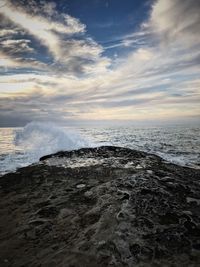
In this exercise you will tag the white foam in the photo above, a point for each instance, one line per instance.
(37, 139)
(179, 145)
(46, 138)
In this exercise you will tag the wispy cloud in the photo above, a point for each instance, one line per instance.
(158, 76)
(43, 29)
(14, 47)
(59, 35)
(7, 32)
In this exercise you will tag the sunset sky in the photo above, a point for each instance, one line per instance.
(79, 62)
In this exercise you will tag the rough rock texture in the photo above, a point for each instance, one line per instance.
(103, 206)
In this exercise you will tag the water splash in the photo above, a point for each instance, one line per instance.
(37, 139)
(46, 138)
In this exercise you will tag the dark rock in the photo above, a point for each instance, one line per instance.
(105, 206)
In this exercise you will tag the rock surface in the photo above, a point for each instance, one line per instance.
(104, 206)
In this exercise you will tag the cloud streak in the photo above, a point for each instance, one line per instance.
(176, 20)
(58, 36)
(73, 79)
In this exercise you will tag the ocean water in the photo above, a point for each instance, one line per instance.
(20, 147)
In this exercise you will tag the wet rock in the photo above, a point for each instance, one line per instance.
(169, 218)
(48, 211)
(105, 206)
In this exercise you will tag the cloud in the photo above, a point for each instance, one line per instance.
(78, 82)
(59, 35)
(13, 47)
(9, 61)
(136, 39)
(37, 26)
(176, 19)
(7, 32)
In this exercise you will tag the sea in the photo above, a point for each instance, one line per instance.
(19, 147)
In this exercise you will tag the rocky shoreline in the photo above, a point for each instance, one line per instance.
(106, 206)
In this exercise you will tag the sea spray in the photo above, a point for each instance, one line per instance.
(37, 139)
(45, 138)
(179, 145)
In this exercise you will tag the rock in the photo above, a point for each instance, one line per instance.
(105, 206)
(88, 194)
(80, 186)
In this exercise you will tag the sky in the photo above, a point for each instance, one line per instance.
(80, 62)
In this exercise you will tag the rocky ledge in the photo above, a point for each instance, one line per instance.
(105, 206)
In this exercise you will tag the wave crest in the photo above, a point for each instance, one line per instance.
(46, 138)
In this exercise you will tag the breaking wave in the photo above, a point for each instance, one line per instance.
(37, 139)
(46, 138)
